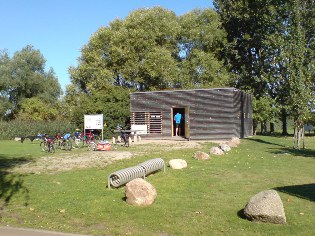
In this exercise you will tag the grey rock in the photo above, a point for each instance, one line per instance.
(224, 147)
(265, 206)
(216, 151)
(201, 155)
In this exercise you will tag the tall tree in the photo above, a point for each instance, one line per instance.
(23, 77)
(201, 42)
(145, 52)
(262, 57)
(299, 81)
(139, 52)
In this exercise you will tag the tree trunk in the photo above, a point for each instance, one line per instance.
(272, 127)
(284, 122)
(298, 137)
(255, 124)
(263, 127)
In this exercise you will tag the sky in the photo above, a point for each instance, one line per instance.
(60, 28)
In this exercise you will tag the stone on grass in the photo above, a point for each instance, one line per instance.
(177, 163)
(216, 151)
(224, 147)
(201, 155)
(140, 193)
(265, 206)
(234, 142)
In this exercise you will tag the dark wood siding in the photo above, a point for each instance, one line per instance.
(220, 113)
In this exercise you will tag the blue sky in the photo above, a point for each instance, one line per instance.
(59, 28)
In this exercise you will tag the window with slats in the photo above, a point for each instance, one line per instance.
(153, 120)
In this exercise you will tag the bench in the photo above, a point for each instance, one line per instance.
(123, 176)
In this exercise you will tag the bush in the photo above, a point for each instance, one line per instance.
(17, 128)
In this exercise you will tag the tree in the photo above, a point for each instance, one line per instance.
(112, 101)
(37, 109)
(299, 81)
(139, 52)
(202, 40)
(270, 54)
(263, 110)
(23, 77)
(145, 52)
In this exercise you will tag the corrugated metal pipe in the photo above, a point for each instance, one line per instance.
(123, 176)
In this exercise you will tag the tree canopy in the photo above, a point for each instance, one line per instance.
(151, 49)
(270, 51)
(23, 77)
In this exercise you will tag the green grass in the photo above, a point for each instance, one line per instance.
(207, 198)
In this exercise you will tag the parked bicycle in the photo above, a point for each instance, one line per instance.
(90, 141)
(123, 135)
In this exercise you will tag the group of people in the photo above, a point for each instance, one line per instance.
(67, 135)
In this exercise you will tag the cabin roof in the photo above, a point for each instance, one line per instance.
(183, 90)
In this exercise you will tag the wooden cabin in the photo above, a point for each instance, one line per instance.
(208, 114)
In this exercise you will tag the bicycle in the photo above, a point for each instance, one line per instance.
(58, 140)
(66, 144)
(124, 136)
(47, 145)
(78, 140)
(89, 139)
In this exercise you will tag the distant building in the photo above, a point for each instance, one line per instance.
(217, 113)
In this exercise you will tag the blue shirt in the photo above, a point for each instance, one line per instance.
(66, 136)
(177, 118)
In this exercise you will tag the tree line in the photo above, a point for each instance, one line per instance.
(264, 47)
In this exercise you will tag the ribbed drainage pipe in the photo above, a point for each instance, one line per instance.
(153, 165)
(123, 176)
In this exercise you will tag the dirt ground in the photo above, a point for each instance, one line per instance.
(77, 160)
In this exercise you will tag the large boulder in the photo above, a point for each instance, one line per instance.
(224, 147)
(140, 193)
(216, 151)
(201, 155)
(177, 163)
(265, 206)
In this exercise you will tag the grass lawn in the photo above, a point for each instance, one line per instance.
(206, 198)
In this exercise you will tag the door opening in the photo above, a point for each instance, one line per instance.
(179, 127)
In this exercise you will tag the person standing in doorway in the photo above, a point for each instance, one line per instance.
(177, 119)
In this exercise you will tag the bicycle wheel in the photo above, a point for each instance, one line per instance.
(43, 146)
(57, 143)
(51, 148)
(92, 146)
(68, 145)
(127, 141)
(78, 143)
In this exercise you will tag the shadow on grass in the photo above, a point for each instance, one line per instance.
(241, 214)
(11, 183)
(264, 141)
(305, 191)
(295, 152)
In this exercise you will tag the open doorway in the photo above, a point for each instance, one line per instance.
(181, 126)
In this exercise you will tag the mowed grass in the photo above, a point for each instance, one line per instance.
(206, 198)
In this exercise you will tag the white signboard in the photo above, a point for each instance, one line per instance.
(139, 129)
(93, 121)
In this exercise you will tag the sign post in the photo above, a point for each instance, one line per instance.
(93, 122)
